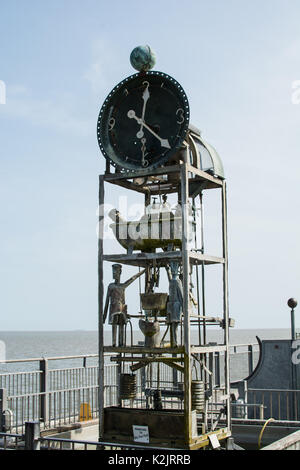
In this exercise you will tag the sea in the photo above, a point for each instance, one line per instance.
(49, 344)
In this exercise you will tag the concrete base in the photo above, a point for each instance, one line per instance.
(86, 431)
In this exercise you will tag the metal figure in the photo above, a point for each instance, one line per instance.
(175, 303)
(115, 299)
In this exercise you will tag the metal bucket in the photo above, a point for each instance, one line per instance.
(127, 386)
(154, 301)
(198, 395)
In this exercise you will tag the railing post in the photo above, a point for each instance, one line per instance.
(246, 397)
(143, 379)
(217, 370)
(174, 375)
(44, 403)
(3, 407)
(32, 435)
(250, 358)
(261, 412)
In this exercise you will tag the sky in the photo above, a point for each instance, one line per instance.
(239, 64)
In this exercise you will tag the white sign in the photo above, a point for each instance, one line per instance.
(214, 441)
(141, 434)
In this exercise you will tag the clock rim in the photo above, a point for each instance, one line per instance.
(172, 151)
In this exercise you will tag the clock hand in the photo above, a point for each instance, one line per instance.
(144, 162)
(163, 142)
(146, 96)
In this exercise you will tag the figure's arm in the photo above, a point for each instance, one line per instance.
(106, 305)
(193, 300)
(180, 292)
(133, 278)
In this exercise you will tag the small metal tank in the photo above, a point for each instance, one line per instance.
(127, 386)
(198, 395)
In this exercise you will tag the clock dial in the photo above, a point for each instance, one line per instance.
(143, 121)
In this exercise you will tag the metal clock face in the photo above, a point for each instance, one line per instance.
(143, 121)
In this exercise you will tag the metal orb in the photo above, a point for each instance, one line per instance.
(292, 303)
(142, 58)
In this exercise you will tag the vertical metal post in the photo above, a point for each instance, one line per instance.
(261, 412)
(197, 275)
(186, 313)
(203, 271)
(148, 269)
(185, 255)
(250, 358)
(44, 403)
(246, 398)
(217, 369)
(211, 368)
(204, 373)
(143, 378)
(293, 366)
(292, 303)
(225, 302)
(32, 435)
(100, 306)
(175, 375)
(3, 407)
(293, 329)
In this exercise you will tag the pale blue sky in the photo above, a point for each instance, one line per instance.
(236, 60)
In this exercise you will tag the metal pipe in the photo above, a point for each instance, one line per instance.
(100, 305)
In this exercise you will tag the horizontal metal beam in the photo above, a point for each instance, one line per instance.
(143, 350)
(165, 170)
(145, 359)
(144, 259)
(207, 349)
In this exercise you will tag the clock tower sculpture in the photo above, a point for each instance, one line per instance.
(174, 391)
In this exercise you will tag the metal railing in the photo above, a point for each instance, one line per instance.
(53, 395)
(17, 383)
(9, 441)
(49, 443)
(32, 440)
(279, 404)
(61, 407)
(20, 382)
(44, 373)
(290, 442)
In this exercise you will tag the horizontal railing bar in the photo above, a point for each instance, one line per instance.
(104, 443)
(271, 390)
(51, 392)
(242, 352)
(16, 436)
(238, 404)
(82, 356)
(74, 368)
(7, 374)
(55, 358)
(258, 421)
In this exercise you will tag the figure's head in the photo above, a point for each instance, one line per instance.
(116, 271)
(174, 268)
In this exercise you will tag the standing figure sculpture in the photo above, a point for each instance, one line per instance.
(175, 303)
(115, 300)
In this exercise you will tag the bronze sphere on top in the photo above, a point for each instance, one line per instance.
(292, 303)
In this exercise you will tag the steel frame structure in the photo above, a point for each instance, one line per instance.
(189, 182)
